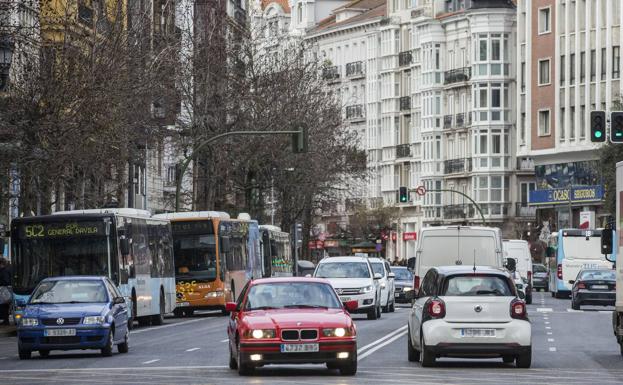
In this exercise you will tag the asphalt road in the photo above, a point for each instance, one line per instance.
(569, 347)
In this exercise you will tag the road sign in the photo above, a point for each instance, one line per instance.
(420, 190)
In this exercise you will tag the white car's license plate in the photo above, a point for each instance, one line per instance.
(477, 332)
(600, 287)
(299, 348)
(59, 332)
(344, 299)
(396, 295)
(183, 304)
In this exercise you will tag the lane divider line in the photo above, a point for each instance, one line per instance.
(552, 349)
(151, 361)
(550, 340)
(390, 335)
(192, 349)
(169, 325)
(377, 347)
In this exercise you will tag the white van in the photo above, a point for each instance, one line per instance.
(519, 250)
(457, 245)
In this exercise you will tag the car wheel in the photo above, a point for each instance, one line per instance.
(575, 305)
(529, 299)
(392, 308)
(244, 369)
(24, 354)
(189, 312)
(372, 314)
(378, 310)
(524, 360)
(508, 359)
(412, 354)
(427, 359)
(553, 294)
(158, 319)
(350, 368)
(44, 353)
(621, 347)
(332, 365)
(224, 311)
(178, 313)
(107, 349)
(233, 364)
(124, 347)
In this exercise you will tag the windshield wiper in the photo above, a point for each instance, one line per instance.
(43, 303)
(306, 306)
(263, 308)
(488, 292)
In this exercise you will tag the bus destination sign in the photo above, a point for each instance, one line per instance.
(61, 229)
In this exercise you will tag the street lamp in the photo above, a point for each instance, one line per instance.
(6, 56)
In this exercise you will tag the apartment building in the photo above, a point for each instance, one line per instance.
(569, 55)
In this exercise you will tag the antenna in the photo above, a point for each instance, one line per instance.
(458, 244)
(474, 261)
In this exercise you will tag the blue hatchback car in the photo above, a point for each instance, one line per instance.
(78, 312)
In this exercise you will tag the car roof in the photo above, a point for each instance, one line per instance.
(465, 269)
(346, 258)
(75, 278)
(260, 281)
(376, 259)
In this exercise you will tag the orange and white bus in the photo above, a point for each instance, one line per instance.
(215, 256)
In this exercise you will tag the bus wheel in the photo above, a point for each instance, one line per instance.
(158, 319)
(178, 312)
(134, 312)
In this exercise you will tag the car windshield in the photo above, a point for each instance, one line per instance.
(402, 274)
(539, 269)
(377, 268)
(470, 285)
(606, 275)
(284, 295)
(343, 270)
(70, 291)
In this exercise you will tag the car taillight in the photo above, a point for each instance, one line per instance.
(581, 285)
(529, 276)
(559, 271)
(436, 308)
(518, 309)
(416, 282)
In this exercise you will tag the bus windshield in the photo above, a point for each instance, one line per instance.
(195, 257)
(581, 247)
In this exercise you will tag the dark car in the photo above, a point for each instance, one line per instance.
(67, 313)
(403, 282)
(540, 277)
(593, 287)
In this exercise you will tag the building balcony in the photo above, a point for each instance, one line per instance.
(460, 120)
(463, 211)
(523, 210)
(403, 151)
(525, 165)
(447, 121)
(458, 75)
(355, 69)
(355, 112)
(405, 58)
(331, 73)
(460, 165)
(405, 103)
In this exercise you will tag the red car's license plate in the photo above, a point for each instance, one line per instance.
(299, 348)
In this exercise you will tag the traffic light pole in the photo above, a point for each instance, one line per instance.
(484, 223)
(186, 162)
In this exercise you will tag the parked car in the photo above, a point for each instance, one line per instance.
(66, 313)
(540, 277)
(519, 250)
(403, 283)
(593, 287)
(462, 312)
(291, 321)
(353, 280)
(381, 266)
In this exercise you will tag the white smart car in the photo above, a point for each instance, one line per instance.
(469, 312)
(380, 266)
(354, 280)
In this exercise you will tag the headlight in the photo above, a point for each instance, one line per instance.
(262, 333)
(214, 294)
(407, 288)
(93, 320)
(367, 289)
(337, 332)
(29, 322)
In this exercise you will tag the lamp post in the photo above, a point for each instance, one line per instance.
(6, 56)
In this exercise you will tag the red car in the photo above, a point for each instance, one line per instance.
(291, 321)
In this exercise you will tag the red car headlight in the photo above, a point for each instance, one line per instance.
(258, 334)
(337, 332)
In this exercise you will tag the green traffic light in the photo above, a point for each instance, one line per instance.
(598, 134)
(618, 134)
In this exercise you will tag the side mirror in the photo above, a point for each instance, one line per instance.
(124, 245)
(351, 306)
(571, 281)
(225, 247)
(1, 245)
(391, 275)
(377, 276)
(411, 263)
(231, 307)
(118, 300)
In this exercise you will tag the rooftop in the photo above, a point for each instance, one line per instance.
(369, 9)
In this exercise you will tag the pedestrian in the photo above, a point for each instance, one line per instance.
(6, 295)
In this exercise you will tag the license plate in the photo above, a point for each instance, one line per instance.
(183, 304)
(600, 287)
(59, 332)
(299, 348)
(344, 299)
(477, 332)
(396, 295)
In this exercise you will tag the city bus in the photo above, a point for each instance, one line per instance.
(276, 252)
(571, 250)
(128, 246)
(215, 257)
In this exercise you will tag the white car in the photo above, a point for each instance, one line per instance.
(381, 266)
(353, 279)
(463, 313)
(519, 250)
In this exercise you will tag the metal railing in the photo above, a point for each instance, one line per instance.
(453, 166)
(355, 111)
(330, 73)
(405, 103)
(525, 164)
(447, 121)
(523, 210)
(354, 69)
(460, 119)
(405, 58)
(403, 151)
(457, 75)
(462, 211)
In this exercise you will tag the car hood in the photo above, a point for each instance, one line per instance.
(296, 318)
(349, 283)
(64, 310)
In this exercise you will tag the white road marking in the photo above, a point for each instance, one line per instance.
(192, 349)
(167, 326)
(544, 309)
(225, 340)
(546, 322)
(151, 361)
(575, 311)
(549, 333)
(548, 327)
(606, 311)
(550, 340)
(552, 349)
(377, 347)
(390, 335)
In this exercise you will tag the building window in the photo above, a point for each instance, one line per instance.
(522, 131)
(562, 124)
(523, 77)
(582, 66)
(544, 20)
(572, 124)
(496, 189)
(616, 62)
(593, 64)
(544, 123)
(582, 121)
(562, 69)
(544, 72)
(603, 64)
(525, 188)
(572, 68)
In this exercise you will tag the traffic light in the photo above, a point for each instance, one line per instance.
(616, 127)
(606, 240)
(598, 126)
(404, 194)
(300, 140)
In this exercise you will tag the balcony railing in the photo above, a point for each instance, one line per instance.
(331, 73)
(405, 58)
(463, 211)
(523, 210)
(524, 164)
(403, 151)
(453, 166)
(355, 112)
(460, 119)
(447, 121)
(457, 75)
(405, 103)
(354, 69)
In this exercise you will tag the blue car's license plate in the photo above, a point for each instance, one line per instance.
(59, 332)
